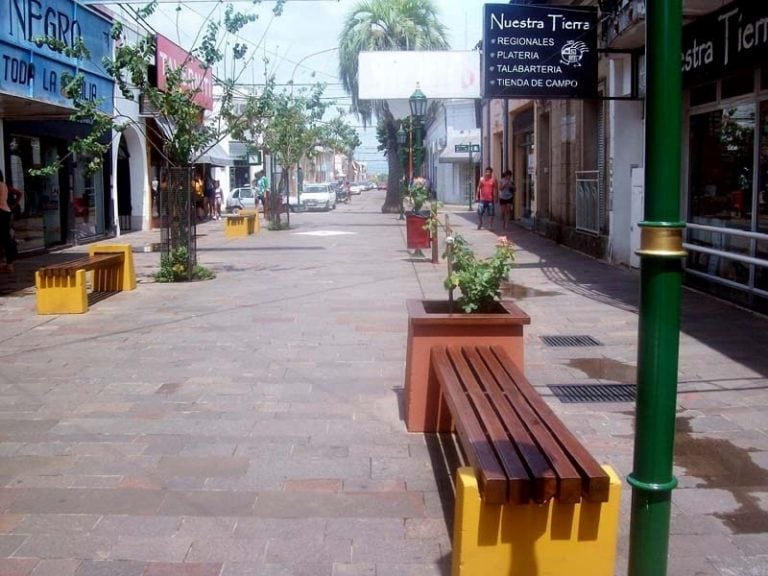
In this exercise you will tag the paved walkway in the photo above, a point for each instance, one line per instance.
(251, 425)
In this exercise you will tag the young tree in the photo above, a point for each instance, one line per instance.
(176, 103)
(295, 128)
(386, 25)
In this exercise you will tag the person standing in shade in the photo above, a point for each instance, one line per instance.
(486, 196)
(6, 235)
(506, 197)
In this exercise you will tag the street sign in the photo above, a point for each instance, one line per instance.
(466, 148)
(539, 51)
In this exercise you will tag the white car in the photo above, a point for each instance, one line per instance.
(318, 197)
(241, 198)
(356, 188)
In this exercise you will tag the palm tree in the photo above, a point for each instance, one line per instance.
(386, 25)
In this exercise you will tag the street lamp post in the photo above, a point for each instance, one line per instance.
(401, 137)
(418, 104)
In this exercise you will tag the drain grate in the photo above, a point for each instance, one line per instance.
(570, 341)
(575, 393)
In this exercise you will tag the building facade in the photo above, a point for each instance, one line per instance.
(579, 164)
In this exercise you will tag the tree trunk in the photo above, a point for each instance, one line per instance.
(393, 201)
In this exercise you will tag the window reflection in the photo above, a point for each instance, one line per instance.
(721, 176)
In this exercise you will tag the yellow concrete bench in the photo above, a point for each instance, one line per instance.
(240, 225)
(532, 500)
(62, 288)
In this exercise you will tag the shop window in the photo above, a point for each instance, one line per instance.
(762, 180)
(721, 174)
(738, 84)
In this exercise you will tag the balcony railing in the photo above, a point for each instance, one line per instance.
(623, 23)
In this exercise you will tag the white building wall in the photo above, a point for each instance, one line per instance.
(626, 151)
(454, 116)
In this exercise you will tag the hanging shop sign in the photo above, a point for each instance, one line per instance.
(32, 69)
(734, 37)
(197, 77)
(539, 51)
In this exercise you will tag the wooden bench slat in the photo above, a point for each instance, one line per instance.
(595, 481)
(82, 263)
(518, 478)
(545, 480)
(493, 482)
(568, 477)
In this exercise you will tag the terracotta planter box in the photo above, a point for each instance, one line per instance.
(430, 324)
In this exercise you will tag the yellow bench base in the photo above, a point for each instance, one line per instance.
(240, 225)
(531, 539)
(67, 294)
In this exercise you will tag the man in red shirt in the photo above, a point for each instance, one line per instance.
(487, 193)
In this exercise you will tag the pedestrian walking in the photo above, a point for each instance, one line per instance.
(486, 196)
(6, 234)
(506, 197)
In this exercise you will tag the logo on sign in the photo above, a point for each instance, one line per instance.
(572, 53)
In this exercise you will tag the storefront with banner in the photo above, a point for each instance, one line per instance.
(68, 205)
(724, 71)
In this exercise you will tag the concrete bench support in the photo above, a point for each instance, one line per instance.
(523, 539)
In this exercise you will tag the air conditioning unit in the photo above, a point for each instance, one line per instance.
(441, 143)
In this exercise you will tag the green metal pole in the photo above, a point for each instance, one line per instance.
(661, 254)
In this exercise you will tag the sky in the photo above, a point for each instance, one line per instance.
(301, 44)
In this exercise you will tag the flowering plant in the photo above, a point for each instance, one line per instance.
(418, 193)
(478, 279)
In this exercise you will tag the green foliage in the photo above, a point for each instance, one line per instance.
(175, 268)
(478, 279)
(386, 25)
(418, 194)
(129, 67)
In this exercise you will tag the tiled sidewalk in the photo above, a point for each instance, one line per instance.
(251, 425)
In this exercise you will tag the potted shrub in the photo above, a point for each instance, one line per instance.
(416, 228)
(478, 316)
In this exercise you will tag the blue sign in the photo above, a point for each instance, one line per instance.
(539, 51)
(31, 69)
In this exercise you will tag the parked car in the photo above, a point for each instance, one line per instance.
(356, 188)
(242, 198)
(318, 197)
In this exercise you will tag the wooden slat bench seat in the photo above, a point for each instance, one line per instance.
(61, 288)
(521, 451)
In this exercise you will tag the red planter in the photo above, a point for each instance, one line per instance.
(430, 324)
(417, 236)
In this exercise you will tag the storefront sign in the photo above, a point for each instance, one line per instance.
(31, 69)
(197, 77)
(736, 36)
(466, 148)
(539, 52)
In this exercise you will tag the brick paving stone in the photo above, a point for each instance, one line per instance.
(182, 569)
(206, 503)
(150, 549)
(226, 549)
(308, 551)
(66, 567)
(9, 543)
(17, 566)
(363, 505)
(354, 570)
(88, 501)
(313, 485)
(146, 526)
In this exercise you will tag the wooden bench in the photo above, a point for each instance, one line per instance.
(62, 288)
(528, 475)
(240, 225)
